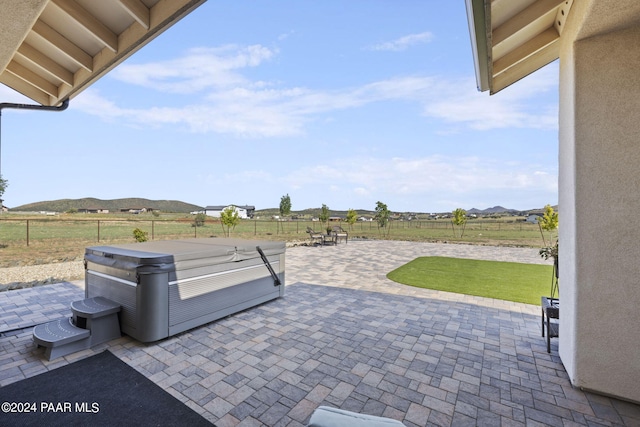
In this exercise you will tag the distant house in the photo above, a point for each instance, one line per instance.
(243, 211)
(533, 218)
(93, 210)
(136, 210)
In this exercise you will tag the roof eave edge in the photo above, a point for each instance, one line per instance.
(476, 17)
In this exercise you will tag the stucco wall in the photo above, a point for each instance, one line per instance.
(16, 19)
(599, 195)
(567, 199)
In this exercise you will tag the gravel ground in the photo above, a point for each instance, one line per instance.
(34, 275)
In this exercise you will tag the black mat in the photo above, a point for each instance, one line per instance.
(101, 390)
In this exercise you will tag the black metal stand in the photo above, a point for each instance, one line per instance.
(550, 310)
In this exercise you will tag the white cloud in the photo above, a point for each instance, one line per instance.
(403, 43)
(92, 102)
(286, 35)
(229, 103)
(514, 107)
(440, 183)
(201, 68)
(360, 191)
(423, 176)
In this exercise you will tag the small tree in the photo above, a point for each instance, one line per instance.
(285, 207)
(548, 222)
(324, 215)
(229, 217)
(3, 186)
(382, 217)
(199, 220)
(352, 217)
(459, 220)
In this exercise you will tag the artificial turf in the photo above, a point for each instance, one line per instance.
(508, 281)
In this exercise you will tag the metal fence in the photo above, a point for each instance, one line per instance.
(27, 231)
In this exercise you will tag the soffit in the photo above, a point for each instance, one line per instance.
(524, 37)
(51, 50)
(514, 38)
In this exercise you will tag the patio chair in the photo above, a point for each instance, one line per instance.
(340, 233)
(315, 236)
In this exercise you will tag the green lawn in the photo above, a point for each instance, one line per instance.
(508, 281)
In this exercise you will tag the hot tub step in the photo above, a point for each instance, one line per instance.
(94, 321)
(94, 307)
(100, 316)
(61, 337)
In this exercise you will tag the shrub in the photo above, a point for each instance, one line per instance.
(140, 236)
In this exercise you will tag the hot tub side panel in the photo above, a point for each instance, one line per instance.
(224, 290)
(144, 303)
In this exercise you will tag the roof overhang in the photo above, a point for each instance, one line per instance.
(51, 50)
(513, 38)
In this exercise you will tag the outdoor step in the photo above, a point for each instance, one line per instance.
(99, 315)
(61, 337)
(94, 307)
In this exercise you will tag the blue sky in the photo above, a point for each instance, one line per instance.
(343, 103)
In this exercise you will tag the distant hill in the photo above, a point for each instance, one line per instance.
(493, 210)
(114, 205)
(315, 212)
(310, 213)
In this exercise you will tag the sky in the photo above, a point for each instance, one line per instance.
(342, 103)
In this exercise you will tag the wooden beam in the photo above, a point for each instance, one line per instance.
(525, 51)
(522, 69)
(45, 63)
(523, 19)
(25, 88)
(89, 22)
(163, 15)
(58, 41)
(138, 11)
(32, 78)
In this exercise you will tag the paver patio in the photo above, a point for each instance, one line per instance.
(345, 336)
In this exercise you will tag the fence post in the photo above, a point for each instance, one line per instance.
(153, 230)
(27, 232)
(98, 231)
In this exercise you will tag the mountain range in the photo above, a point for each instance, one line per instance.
(175, 206)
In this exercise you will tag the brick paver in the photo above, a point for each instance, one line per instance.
(345, 336)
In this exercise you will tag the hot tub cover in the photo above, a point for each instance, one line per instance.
(180, 254)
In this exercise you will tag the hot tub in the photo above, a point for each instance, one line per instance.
(167, 287)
